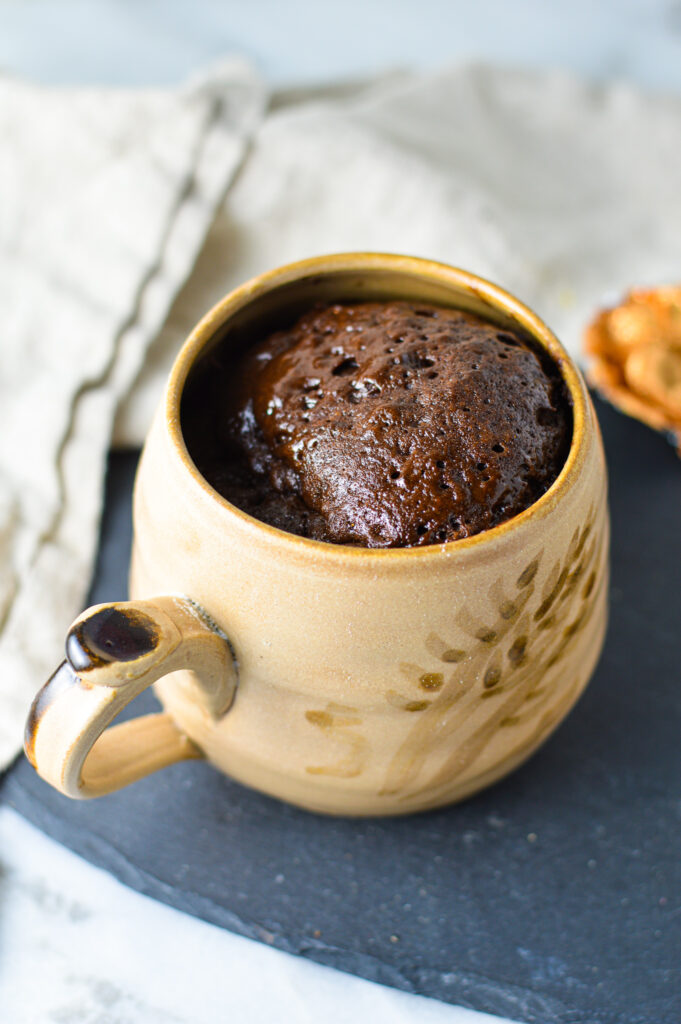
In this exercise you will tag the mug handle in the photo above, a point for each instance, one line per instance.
(113, 653)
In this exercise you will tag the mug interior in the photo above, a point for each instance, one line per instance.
(281, 305)
(276, 300)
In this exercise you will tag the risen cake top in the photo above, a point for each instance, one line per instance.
(382, 424)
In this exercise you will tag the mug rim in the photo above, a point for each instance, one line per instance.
(487, 292)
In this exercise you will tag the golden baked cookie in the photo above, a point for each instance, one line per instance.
(636, 353)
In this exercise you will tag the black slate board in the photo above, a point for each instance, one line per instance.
(555, 896)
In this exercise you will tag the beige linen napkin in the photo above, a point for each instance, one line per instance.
(561, 191)
(105, 201)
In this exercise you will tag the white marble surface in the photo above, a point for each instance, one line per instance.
(76, 947)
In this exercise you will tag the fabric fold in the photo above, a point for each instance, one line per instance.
(107, 200)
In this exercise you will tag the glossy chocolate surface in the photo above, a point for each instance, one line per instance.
(381, 424)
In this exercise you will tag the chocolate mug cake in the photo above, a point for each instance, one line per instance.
(383, 670)
(381, 424)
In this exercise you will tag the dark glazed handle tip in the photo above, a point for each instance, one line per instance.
(109, 635)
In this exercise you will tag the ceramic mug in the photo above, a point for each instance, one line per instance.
(341, 679)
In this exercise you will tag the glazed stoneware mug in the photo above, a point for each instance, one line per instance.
(339, 678)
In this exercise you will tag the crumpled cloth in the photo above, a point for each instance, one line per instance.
(125, 215)
(106, 198)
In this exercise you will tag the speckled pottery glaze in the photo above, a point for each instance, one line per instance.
(341, 679)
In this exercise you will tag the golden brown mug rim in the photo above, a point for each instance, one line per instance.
(487, 292)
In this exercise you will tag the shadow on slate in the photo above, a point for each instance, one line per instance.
(554, 896)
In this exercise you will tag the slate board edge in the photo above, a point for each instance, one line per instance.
(471, 991)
